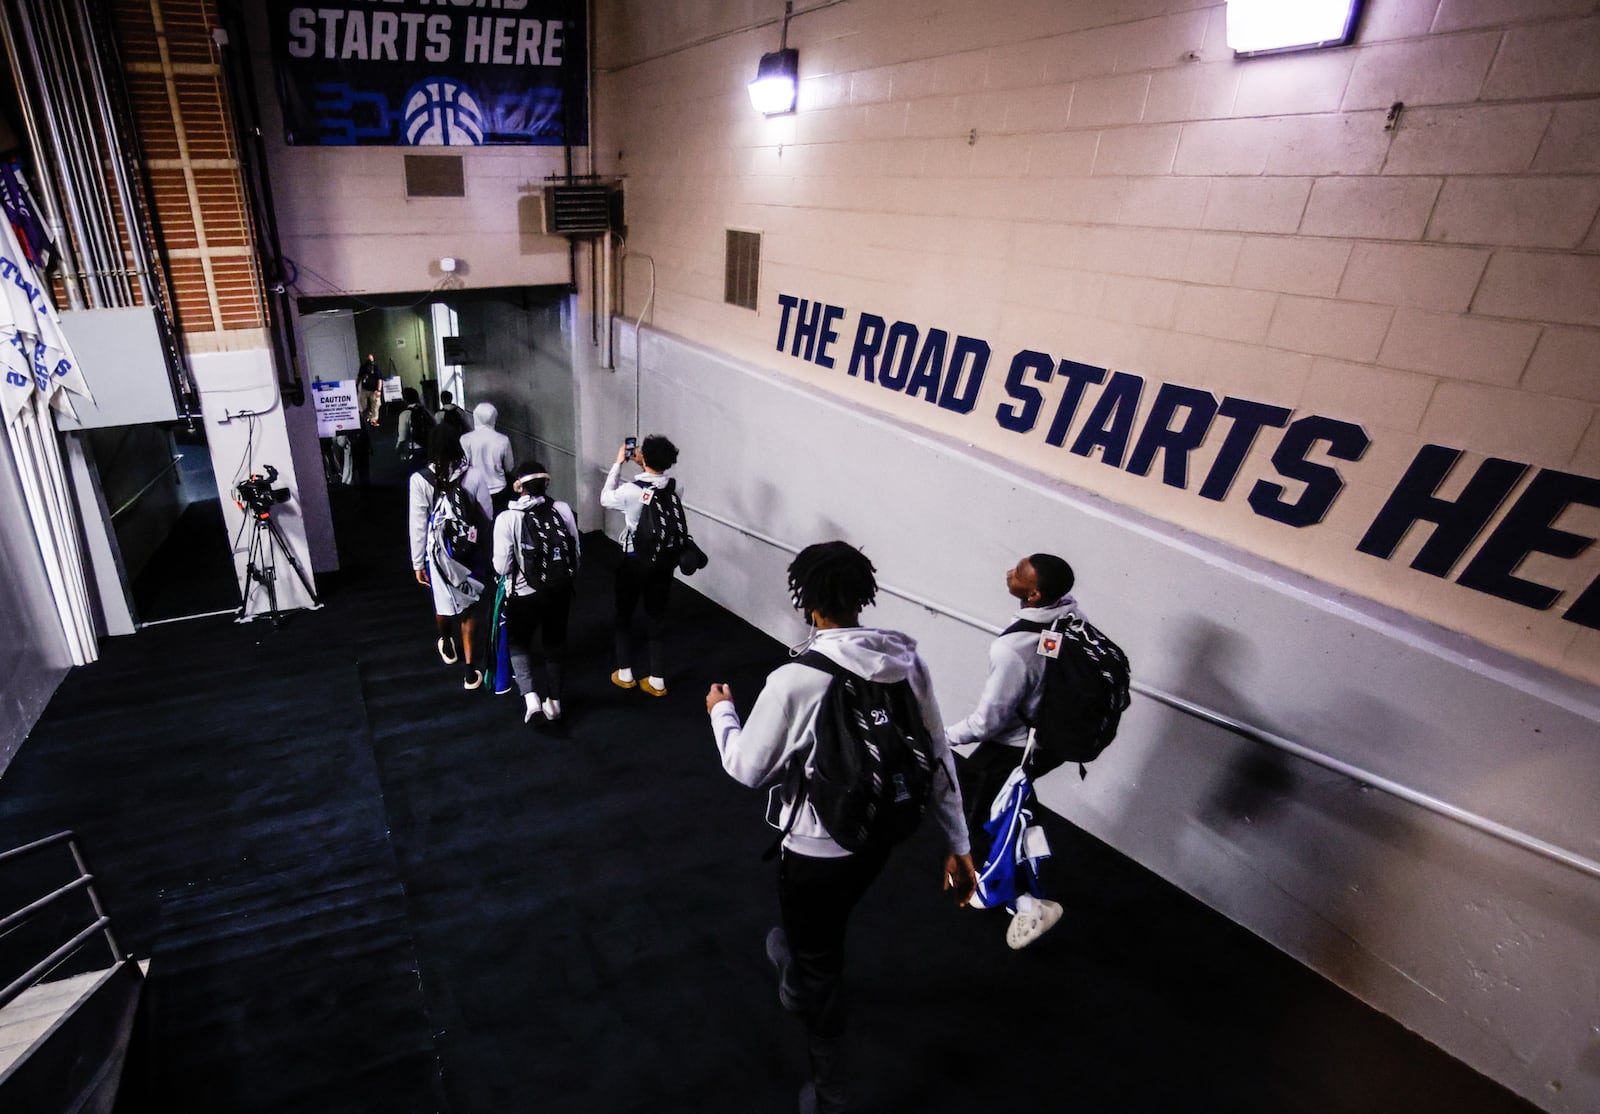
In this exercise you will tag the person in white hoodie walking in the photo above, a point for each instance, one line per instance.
(489, 451)
(1009, 703)
(536, 547)
(819, 882)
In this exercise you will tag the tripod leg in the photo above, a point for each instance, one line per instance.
(252, 572)
(294, 563)
(269, 572)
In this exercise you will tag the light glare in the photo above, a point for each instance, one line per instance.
(1262, 25)
(772, 95)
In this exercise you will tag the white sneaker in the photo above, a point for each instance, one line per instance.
(552, 709)
(447, 650)
(531, 707)
(1026, 927)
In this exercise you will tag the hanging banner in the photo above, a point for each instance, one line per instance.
(34, 356)
(454, 73)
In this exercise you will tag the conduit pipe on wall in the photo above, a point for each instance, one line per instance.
(1502, 832)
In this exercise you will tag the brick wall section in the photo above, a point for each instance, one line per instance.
(1105, 182)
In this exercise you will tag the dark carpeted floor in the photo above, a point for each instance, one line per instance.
(363, 889)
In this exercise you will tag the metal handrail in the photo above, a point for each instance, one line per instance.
(1494, 828)
(84, 882)
(155, 479)
(535, 437)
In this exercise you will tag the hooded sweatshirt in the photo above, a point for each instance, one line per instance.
(1016, 679)
(783, 728)
(488, 450)
(629, 499)
(508, 538)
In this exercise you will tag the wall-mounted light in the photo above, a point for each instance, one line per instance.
(778, 76)
(777, 81)
(1275, 26)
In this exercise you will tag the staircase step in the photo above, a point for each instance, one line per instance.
(29, 1016)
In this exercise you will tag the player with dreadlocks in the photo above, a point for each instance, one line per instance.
(819, 881)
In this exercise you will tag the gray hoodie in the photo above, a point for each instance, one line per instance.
(1016, 678)
(783, 727)
(487, 449)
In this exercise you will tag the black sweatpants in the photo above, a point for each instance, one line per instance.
(639, 581)
(815, 897)
(542, 613)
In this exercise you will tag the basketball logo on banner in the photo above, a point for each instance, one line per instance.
(441, 112)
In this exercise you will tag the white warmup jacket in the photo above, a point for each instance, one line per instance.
(1016, 680)
(420, 497)
(783, 727)
(628, 497)
(488, 450)
(508, 537)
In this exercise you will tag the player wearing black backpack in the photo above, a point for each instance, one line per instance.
(1008, 707)
(652, 539)
(536, 550)
(808, 737)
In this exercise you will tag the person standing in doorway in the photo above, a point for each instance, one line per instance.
(489, 451)
(641, 578)
(449, 528)
(369, 388)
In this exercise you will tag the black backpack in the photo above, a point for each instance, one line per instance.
(545, 556)
(661, 534)
(456, 417)
(458, 518)
(422, 424)
(1085, 694)
(872, 767)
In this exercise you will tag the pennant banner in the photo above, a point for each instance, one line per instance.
(34, 356)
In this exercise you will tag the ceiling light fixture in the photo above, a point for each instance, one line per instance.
(777, 82)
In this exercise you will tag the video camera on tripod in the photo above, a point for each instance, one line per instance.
(257, 492)
(257, 496)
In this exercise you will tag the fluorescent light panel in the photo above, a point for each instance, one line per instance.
(1268, 26)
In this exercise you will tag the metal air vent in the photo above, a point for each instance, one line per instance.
(576, 210)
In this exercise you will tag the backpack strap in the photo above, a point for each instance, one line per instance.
(824, 664)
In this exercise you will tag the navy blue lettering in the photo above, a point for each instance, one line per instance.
(1248, 417)
(1323, 484)
(1020, 419)
(902, 343)
(828, 334)
(1528, 528)
(869, 338)
(805, 329)
(930, 366)
(1585, 610)
(1456, 522)
(788, 302)
(969, 359)
(1078, 376)
(1110, 423)
(1175, 444)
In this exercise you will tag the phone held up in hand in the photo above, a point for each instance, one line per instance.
(631, 445)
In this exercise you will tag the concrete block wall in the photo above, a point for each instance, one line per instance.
(1105, 183)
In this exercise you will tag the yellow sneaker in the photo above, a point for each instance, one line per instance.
(616, 679)
(650, 690)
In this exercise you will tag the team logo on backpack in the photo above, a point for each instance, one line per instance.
(545, 554)
(872, 766)
(1085, 693)
(453, 536)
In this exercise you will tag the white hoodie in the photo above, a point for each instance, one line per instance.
(488, 450)
(783, 727)
(1015, 682)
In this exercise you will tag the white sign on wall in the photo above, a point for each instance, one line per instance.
(335, 401)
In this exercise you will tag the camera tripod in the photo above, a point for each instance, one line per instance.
(266, 540)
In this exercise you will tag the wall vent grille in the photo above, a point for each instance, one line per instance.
(576, 210)
(741, 275)
(435, 176)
